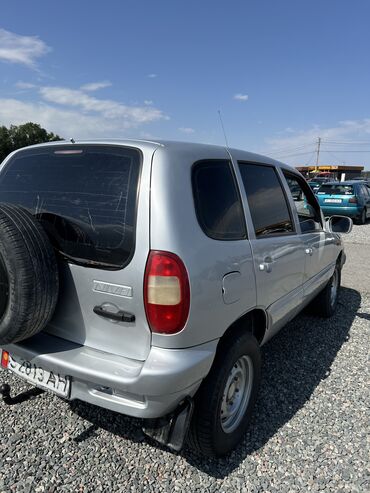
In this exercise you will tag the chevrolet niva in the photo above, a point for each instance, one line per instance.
(144, 277)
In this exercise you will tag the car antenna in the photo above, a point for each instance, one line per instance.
(223, 130)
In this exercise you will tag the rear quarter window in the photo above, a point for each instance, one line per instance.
(85, 196)
(217, 200)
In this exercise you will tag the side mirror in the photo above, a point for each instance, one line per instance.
(339, 224)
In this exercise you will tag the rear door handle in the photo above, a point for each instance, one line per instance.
(266, 265)
(120, 316)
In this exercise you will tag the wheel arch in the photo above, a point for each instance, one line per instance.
(255, 321)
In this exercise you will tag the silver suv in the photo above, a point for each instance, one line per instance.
(143, 277)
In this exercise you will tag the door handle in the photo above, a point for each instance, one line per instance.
(266, 265)
(309, 251)
(120, 316)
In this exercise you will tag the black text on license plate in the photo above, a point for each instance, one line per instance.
(45, 379)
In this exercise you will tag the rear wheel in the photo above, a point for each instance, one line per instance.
(362, 219)
(225, 400)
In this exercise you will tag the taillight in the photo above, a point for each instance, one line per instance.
(353, 200)
(4, 359)
(166, 292)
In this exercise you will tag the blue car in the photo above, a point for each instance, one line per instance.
(346, 198)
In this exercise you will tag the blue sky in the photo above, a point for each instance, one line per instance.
(283, 72)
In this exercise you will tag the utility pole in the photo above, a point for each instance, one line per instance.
(318, 150)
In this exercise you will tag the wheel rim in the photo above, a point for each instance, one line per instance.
(334, 288)
(237, 393)
(4, 288)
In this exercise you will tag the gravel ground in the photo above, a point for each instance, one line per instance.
(308, 432)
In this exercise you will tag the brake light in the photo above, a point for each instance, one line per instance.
(353, 200)
(166, 292)
(5, 359)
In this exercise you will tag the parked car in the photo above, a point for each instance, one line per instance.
(315, 183)
(144, 277)
(348, 198)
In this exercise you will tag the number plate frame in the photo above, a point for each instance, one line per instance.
(40, 377)
(333, 201)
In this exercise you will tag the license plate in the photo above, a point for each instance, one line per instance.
(333, 201)
(34, 374)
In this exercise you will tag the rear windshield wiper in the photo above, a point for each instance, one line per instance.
(85, 262)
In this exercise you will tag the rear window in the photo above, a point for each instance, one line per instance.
(85, 196)
(336, 189)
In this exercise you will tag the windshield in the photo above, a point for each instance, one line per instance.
(85, 196)
(336, 189)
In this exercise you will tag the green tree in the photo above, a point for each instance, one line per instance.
(17, 136)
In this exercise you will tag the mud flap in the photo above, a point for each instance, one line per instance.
(171, 430)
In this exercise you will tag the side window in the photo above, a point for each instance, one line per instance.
(266, 199)
(306, 205)
(217, 201)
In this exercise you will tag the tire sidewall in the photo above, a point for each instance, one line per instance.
(363, 217)
(11, 270)
(32, 271)
(245, 345)
(332, 306)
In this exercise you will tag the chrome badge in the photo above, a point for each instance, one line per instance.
(113, 289)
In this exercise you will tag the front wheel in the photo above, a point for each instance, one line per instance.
(327, 300)
(225, 400)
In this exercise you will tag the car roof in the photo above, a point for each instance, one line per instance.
(176, 147)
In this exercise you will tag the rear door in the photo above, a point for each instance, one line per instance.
(278, 251)
(87, 198)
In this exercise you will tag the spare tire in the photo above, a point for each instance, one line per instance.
(29, 280)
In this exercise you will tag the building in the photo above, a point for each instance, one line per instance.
(340, 172)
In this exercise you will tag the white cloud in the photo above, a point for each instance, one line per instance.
(25, 50)
(300, 146)
(70, 112)
(241, 97)
(148, 102)
(348, 129)
(65, 123)
(187, 130)
(108, 109)
(24, 85)
(152, 76)
(95, 86)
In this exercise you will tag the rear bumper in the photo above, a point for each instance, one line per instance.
(340, 211)
(144, 389)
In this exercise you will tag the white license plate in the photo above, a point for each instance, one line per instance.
(34, 374)
(333, 201)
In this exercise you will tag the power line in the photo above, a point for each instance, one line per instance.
(291, 148)
(347, 142)
(336, 157)
(311, 159)
(297, 154)
(347, 150)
